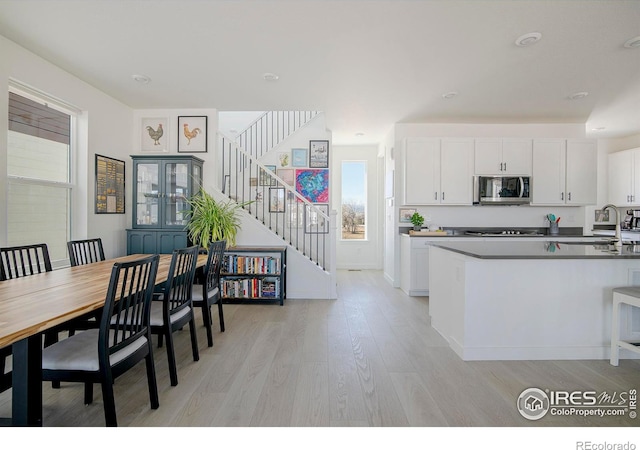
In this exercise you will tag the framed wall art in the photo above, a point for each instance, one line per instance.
(284, 159)
(276, 200)
(299, 157)
(313, 184)
(319, 154)
(314, 222)
(265, 179)
(405, 214)
(286, 175)
(192, 134)
(154, 135)
(110, 194)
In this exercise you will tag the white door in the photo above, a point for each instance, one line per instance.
(422, 172)
(582, 173)
(456, 172)
(621, 177)
(488, 157)
(516, 156)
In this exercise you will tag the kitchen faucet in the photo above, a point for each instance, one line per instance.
(618, 237)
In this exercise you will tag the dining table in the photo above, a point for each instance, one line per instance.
(29, 306)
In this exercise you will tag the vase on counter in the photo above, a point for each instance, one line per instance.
(417, 228)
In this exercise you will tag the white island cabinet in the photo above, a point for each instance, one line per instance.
(531, 300)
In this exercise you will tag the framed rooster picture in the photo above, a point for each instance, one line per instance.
(192, 134)
(154, 133)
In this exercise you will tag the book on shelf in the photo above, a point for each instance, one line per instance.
(250, 264)
(250, 287)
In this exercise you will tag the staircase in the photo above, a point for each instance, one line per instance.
(274, 202)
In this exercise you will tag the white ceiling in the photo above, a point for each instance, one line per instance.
(366, 64)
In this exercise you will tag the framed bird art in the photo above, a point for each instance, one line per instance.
(154, 134)
(192, 134)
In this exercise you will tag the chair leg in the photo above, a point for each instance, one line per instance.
(151, 380)
(615, 332)
(206, 318)
(194, 338)
(171, 359)
(88, 393)
(109, 403)
(220, 315)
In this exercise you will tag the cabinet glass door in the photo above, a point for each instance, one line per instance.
(147, 194)
(176, 194)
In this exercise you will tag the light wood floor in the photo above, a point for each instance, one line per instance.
(369, 358)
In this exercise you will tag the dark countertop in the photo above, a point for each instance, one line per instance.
(543, 249)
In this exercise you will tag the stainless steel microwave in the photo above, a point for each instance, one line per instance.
(501, 190)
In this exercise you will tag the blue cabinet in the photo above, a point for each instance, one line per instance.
(162, 184)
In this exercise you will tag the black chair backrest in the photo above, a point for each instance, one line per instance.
(85, 251)
(127, 305)
(177, 291)
(24, 260)
(214, 264)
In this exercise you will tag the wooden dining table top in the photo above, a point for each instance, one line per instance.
(33, 304)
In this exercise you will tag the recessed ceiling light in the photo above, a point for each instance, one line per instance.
(633, 42)
(270, 76)
(598, 129)
(528, 39)
(449, 95)
(141, 78)
(578, 95)
(359, 134)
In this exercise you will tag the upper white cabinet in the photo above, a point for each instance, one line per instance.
(624, 177)
(582, 172)
(503, 156)
(438, 171)
(564, 172)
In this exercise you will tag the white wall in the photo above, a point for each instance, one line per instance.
(359, 254)
(109, 133)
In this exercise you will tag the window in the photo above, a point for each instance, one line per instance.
(354, 200)
(38, 174)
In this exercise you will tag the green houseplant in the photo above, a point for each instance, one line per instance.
(417, 220)
(211, 220)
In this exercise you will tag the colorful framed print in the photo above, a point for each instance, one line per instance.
(313, 184)
(405, 214)
(319, 154)
(154, 135)
(276, 200)
(299, 157)
(286, 175)
(192, 134)
(284, 159)
(314, 222)
(265, 179)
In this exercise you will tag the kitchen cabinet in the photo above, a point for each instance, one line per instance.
(624, 177)
(438, 171)
(564, 172)
(414, 265)
(160, 209)
(503, 156)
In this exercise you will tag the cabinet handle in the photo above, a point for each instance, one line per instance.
(505, 167)
(435, 195)
(562, 196)
(569, 196)
(443, 195)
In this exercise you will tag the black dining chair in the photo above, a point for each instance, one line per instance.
(207, 293)
(122, 341)
(82, 252)
(24, 260)
(85, 251)
(16, 262)
(172, 308)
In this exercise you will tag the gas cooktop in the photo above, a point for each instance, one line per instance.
(506, 233)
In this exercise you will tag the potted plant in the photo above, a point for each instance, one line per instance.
(211, 220)
(417, 220)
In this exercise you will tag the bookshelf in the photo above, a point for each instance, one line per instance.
(254, 275)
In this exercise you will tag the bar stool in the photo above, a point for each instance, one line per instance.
(629, 295)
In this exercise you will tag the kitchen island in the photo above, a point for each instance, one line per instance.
(529, 300)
